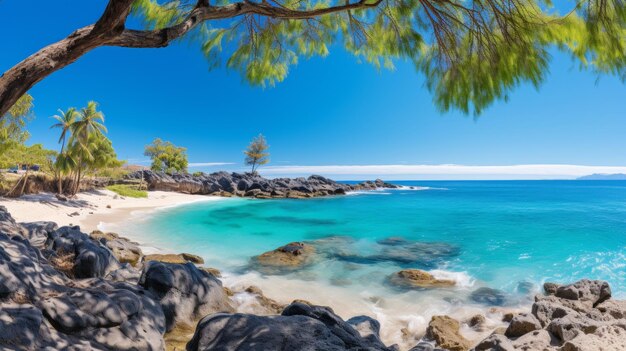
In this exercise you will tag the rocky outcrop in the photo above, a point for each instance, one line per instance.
(123, 249)
(574, 317)
(444, 331)
(300, 327)
(185, 292)
(285, 258)
(250, 184)
(42, 308)
(415, 278)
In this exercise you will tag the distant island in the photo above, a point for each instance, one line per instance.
(603, 176)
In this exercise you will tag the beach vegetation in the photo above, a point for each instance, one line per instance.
(128, 190)
(471, 52)
(167, 157)
(84, 147)
(256, 153)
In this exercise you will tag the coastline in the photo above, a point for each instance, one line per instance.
(93, 208)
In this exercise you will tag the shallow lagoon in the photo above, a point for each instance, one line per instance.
(506, 235)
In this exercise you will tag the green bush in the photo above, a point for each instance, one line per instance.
(128, 190)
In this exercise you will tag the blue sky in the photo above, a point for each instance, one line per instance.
(329, 111)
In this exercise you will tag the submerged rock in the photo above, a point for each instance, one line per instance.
(422, 254)
(289, 257)
(415, 278)
(488, 296)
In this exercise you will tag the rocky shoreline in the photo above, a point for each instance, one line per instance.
(61, 288)
(250, 184)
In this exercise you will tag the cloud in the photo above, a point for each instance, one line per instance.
(445, 171)
(209, 164)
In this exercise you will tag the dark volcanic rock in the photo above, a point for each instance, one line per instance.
(301, 327)
(185, 292)
(250, 184)
(41, 308)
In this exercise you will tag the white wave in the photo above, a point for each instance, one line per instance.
(462, 279)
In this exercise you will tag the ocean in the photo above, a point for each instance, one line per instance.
(511, 236)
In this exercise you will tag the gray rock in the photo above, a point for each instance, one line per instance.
(488, 296)
(301, 327)
(495, 342)
(185, 292)
(37, 232)
(590, 291)
(521, 324)
(550, 288)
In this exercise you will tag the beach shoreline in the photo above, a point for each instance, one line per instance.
(91, 209)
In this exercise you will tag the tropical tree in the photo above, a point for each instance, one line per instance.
(12, 125)
(256, 153)
(472, 51)
(66, 122)
(166, 157)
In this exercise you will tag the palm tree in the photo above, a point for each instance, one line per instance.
(89, 124)
(66, 121)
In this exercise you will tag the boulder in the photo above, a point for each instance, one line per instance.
(37, 232)
(444, 331)
(521, 324)
(495, 342)
(123, 249)
(291, 256)
(587, 291)
(300, 327)
(185, 292)
(8, 225)
(415, 278)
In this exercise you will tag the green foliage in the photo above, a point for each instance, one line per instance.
(166, 157)
(128, 190)
(471, 52)
(22, 155)
(12, 125)
(197, 174)
(256, 153)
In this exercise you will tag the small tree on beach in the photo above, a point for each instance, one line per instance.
(256, 153)
(166, 157)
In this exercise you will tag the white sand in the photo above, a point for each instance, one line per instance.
(89, 209)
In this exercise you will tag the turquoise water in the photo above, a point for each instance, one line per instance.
(483, 233)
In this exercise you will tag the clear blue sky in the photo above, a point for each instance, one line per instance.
(329, 111)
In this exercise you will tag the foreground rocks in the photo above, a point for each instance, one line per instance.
(574, 317)
(299, 327)
(250, 185)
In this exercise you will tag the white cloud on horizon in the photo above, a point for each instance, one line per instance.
(209, 164)
(445, 171)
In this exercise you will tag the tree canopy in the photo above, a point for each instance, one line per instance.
(471, 51)
(256, 153)
(166, 157)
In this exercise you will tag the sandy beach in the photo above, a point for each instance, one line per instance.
(89, 209)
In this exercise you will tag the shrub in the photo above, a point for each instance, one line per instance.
(128, 190)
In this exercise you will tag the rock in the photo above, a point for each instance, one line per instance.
(508, 317)
(477, 321)
(216, 272)
(185, 292)
(262, 304)
(422, 254)
(495, 342)
(123, 249)
(300, 327)
(521, 324)
(445, 332)
(488, 296)
(43, 309)
(291, 256)
(249, 184)
(8, 225)
(174, 258)
(550, 288)
(88, 257)
(588, 291)
(37, 232)
(415, 278)
(367, 327)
